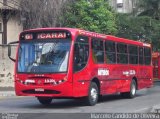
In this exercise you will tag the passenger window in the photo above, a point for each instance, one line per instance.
(81, 53)
(110, 52)
(98, 51)
(121, 48)
(133, 54)
(122, 55)
(147, 56)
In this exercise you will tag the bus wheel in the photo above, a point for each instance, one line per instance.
(132, 92)
(45, 100)
(93, 94)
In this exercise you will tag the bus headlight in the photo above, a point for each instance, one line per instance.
(61, 81)
(29, 81)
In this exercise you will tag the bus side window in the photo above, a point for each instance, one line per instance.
(122, 54)
(133, 54)
(110, 52)
(81, 53)
(147, 56)
(98, 51)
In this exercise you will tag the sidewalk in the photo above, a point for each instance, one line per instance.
(7, 92)
(153, 109)
(156, 109)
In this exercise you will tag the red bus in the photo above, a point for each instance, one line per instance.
(73, 63)
(156, 65)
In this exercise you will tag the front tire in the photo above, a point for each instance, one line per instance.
(132, 93)
(93, 94)
(45, 100)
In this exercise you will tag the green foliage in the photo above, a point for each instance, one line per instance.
(92, 15)
(150, 8)
(142, 28)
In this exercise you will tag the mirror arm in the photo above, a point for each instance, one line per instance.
(9, 50)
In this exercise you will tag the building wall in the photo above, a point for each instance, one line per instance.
(123, 6)
(6, 67)
(14, 27)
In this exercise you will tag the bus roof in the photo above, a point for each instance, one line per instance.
(91, 34)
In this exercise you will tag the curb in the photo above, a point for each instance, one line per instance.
(4, 94)
(153, 109)
(7, 92)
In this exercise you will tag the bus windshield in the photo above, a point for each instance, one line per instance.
(43, 56)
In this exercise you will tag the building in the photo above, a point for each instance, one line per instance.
(10, 25)
(123, 6)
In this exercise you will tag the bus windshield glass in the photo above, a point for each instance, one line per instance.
(43, 56)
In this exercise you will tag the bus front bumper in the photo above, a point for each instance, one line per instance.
(62, 90)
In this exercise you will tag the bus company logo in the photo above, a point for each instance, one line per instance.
(130, 72)
(39, 82)
(103, 72)
(81, 32)
(146, 44)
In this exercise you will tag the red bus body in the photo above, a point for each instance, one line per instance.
(110, 78)
(156, 65)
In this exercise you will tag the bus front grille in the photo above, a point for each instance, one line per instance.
(32, 91)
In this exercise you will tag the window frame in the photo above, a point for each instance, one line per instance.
(122, 53)
(140, 47)
(147, 56)
(101, 40)
(115, 51)
(132, 54)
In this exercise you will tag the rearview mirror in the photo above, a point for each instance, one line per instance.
(9, 50)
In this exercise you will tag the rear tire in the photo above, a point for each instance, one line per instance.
(45, 100)
(93, 94)
(132, 92)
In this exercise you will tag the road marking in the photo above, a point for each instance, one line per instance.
(144, 109)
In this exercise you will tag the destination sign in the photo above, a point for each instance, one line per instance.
(51, 35)
(45, 35)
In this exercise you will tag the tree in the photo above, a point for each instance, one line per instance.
(41, 13)
(149, 8)
(145, 26)
(92, 15)
(142, 28)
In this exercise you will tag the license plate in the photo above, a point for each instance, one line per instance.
(39, 89)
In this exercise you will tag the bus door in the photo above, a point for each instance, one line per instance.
(81, 56)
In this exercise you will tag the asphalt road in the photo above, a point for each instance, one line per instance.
(145, 101)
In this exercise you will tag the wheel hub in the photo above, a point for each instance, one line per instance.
(133, 89)
(94, 94)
